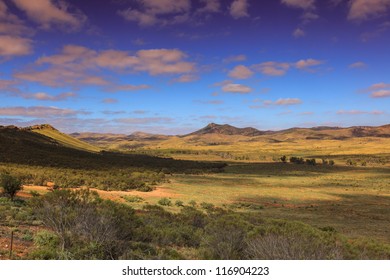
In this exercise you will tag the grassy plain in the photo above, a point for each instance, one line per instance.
(353, 199)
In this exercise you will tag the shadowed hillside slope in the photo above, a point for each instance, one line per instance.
(24, 146)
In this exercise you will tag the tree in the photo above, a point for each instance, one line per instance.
(283, 159)
(10, 184)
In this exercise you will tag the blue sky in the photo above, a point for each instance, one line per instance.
(172, 66)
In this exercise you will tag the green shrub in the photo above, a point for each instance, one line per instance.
(207, 206)
(297, 160)
(192, 203)
(165, 201)
(132, 198)
(145, 188)
(10, 184)
(311, 161)
(179, 203)
(34, 193)
(225, 238)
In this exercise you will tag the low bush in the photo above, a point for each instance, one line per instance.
(165, 202)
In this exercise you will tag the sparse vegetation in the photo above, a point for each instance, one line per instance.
(10, 185)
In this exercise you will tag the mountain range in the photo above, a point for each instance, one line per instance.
(210, 135)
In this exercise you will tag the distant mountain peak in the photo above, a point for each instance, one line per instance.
(226, 129)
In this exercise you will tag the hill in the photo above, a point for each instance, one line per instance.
(26, 146)
(62, 138)
(112, 141)
(226, 129)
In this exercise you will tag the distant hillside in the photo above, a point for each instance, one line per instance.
(62, 138)
(224, 135)
(325, 132)
(118, 141)
(226, 129)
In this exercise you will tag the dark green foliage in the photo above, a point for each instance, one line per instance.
(10, 185)
(280, 239)
(34, 193)
(47, 244)
(297, 160)
(165, 201)
(207, 206)
(225, 238)
(283, 159)
(132, 198)
(311, 161)
(87, 227)
(192, 203)
(179, 203)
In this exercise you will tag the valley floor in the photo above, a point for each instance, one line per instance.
(355, 201)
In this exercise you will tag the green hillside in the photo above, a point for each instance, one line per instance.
(62, 138)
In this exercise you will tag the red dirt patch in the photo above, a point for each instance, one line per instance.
(160, 191)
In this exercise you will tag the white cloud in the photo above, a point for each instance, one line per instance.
(14, 46)
(127, 87)
(279, 102)
(10, 24)
(381, 93)
(359, 112)
(239, 9)
(379, 90)
(273, 68)
(110, 101)
(48, 13)
(186, 78)
(39, 111)
(298, 32)
(210, 102)
(306, 63)
(236, 88)
(167, 6)
(288, 101)
(152, 12)
(9, 86)
(43, 96)
(357, 65)
(235, 58)
(77, 65)
(211, 6)
(302, 4)
(241, 72)
(366, 9)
